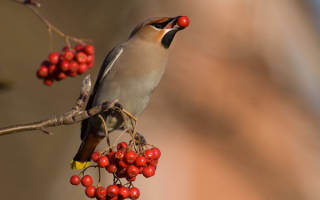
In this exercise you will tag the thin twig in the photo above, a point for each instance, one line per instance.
(31, 4)
(75, 115)
(106, 130)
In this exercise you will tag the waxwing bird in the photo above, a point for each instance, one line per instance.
(130, 73)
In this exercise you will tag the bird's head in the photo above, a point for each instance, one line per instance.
(160, 30)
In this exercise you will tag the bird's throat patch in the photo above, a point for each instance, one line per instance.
(168, 37)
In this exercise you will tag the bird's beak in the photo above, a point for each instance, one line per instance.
(172, 24)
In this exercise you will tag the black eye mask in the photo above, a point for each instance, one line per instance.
(161, 25)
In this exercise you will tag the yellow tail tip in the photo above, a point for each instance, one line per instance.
(79, 165)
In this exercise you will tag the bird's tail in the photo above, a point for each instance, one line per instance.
(87, 147)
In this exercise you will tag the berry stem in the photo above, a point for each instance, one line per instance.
(106, 130)
(85, 169)
(31, 3)
(99, 175)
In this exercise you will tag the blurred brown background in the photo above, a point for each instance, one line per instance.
(236, 115)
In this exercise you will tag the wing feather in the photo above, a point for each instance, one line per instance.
(107, 64)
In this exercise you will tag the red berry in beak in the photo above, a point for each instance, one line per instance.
(183, 21)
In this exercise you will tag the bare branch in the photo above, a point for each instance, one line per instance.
(75, 115)
(32, 4)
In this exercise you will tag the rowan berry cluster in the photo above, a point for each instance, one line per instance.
(71, 62)
(124, 163)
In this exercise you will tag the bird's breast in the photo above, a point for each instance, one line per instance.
(133, 78)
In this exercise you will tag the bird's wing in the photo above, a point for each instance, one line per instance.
(107, 64)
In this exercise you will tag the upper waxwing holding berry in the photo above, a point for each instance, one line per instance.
(130, 73)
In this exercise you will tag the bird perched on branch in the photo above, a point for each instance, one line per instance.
(130, 73)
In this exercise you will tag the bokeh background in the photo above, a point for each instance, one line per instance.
(236, 115)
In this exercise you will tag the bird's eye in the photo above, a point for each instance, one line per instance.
(158, 25)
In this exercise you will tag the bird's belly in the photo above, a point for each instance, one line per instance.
(133, 93)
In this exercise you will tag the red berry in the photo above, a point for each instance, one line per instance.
(111, 168)
(103, 161)
(112, 190)
(54, 57)
(121, 173)
(141, 161)
(86, 181)
(131, 156)
(89, 49)
(119, 155)
(122, 164)
(72, 74)
(124, 192)
(43, 72)
(91, 191)
(64, 66)
(132, 171)
(90, 59)
(154, 163)
(52, 69)
(134, 193)
(156, 153)
(95, 156)
(90, 65)
(75, 180)
(148, 171)
(81, 57)
(78, 47)
(82, 68)
(122, 146)
(148, 154)
(48, 82)
(111, 156)
(131, 179)
(68, 55)
(66, 48)
(101, 192)
(183, 21)
(61, 76)
(73, 66)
